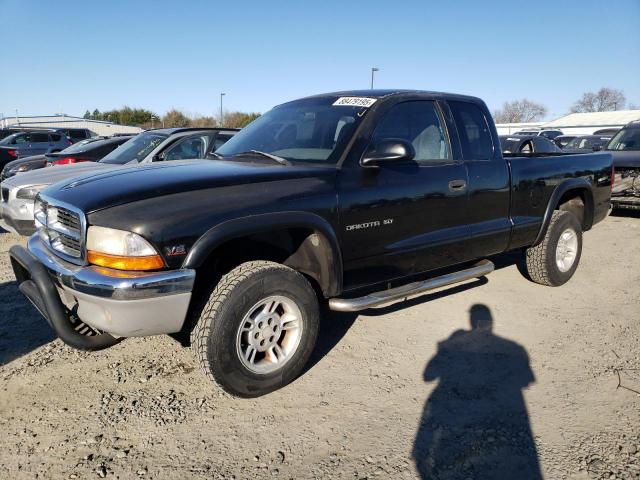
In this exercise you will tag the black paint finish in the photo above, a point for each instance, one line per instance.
(381, 223)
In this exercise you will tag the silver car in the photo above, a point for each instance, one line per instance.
(18, 193)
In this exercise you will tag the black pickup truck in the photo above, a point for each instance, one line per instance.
(350, 200)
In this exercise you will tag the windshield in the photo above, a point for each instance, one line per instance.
(77, 147)
(625, 139)
(135, 149)
(9, 139)
(309, 130)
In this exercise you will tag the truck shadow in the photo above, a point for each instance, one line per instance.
(335, 325)
(475, 423)
(22, 328)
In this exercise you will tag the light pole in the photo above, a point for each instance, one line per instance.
(373, 70)
(221, 120)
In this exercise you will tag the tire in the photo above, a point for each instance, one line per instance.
(554, 261)
(240, 320)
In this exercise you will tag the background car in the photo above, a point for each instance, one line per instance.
(625, 149)
(586, 143)
(527, 145)
(89, 150)
(608, 132)
(562, 140)
(18, 192)
(548, 133)
(25, 144)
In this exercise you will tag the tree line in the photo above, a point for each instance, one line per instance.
(141, 117)
(521, 111)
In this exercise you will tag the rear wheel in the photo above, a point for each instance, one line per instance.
(258, 329)
(554, 261)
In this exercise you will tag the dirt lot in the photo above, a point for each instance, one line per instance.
(550, 387)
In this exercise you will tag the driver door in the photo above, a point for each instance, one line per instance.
(404, 218)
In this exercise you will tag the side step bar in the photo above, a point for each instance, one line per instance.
(379, 299)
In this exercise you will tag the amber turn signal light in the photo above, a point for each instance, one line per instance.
(151, 262)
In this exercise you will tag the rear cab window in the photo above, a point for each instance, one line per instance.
(473, 131)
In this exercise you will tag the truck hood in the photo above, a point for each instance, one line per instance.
(130, 184)
(622, 158)
(50, 175)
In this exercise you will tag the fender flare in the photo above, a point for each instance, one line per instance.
(577, 184)
(239, 227)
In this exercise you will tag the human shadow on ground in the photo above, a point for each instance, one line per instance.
(22, 328)
(475, 423)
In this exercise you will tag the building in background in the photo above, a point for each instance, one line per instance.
(587, 123)
(65, 121)
(509, 128)
(576, 123)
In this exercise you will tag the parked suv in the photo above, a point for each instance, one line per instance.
(25, 144)
(16, 204)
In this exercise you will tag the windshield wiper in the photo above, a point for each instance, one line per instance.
(280, 160)
(216, 155)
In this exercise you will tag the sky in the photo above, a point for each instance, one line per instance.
(70, 56)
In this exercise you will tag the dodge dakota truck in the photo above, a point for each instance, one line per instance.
(348, 200)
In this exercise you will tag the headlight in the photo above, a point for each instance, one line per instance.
(29, 193)
(111, 248)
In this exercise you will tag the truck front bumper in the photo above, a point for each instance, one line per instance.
(123, 304)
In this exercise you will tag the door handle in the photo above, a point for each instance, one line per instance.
(457, 185)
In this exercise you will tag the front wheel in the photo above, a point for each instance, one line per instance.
(554, 261)
(258, 329)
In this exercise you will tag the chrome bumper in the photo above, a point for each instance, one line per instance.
(121, 303)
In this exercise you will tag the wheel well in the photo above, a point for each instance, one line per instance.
(576, 201)
(303, 249)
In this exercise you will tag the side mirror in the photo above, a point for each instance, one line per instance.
(160, 157)
(597, 147)
(389, 150)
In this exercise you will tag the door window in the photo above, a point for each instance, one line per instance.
(420, 124)
(21, 139)
(219, 141)
(192, 147)
(473, 130)
(40, 138)
(77, 134)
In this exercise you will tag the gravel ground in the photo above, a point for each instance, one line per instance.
(493, 379)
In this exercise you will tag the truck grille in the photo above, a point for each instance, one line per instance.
(61, 228)
(69, 219)
(5, 194)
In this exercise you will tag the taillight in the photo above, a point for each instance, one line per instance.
(67, 161)
(12, 153)
(613, 177)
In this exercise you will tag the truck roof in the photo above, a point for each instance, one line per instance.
(380, 93)
(171, 131)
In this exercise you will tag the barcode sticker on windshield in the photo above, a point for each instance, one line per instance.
(355, 102)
